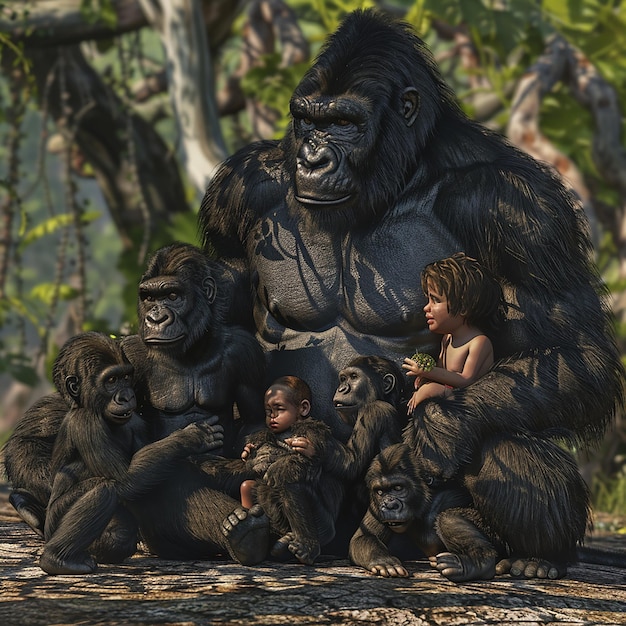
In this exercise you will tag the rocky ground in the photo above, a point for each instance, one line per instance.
(150, 591)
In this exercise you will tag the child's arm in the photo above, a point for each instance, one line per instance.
(479, 352)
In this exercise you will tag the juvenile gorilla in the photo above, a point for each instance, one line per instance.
(189, 364)
(379, 174)
(98, 459)
(403, 500)
(455, 524)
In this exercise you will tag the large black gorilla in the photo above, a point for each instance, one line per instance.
(189, 365)
(379, 174)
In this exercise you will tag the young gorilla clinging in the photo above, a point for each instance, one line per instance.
(369, 400)
(98, 461)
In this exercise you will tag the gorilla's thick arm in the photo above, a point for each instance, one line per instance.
(368, 548)
(559, 367)
(154, 463)
(376, 427)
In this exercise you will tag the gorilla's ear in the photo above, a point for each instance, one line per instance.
(389, 383)
(410, 105)
(210, 288)
(72, 385)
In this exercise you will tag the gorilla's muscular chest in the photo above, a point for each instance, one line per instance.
(175, 389)
(368, 279)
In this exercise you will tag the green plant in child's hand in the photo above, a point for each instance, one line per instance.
(425, 361)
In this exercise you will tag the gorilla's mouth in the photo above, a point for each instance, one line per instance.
(121, 418)
(157, 339)
(341, 405)
(322, 202)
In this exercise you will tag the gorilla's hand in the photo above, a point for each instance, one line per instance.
(202, 436)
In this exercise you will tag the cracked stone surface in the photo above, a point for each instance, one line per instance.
(148, 591)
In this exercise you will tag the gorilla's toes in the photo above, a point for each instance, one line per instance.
(280, 550)
(78, 564)
(305, 551)
(248, 535)
(531, 568)
(461, 568)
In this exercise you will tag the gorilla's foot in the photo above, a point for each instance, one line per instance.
(28, 509)
(280, 550)
(52, 564)
(531, 568)
(461, 568)
(305, 550)
(118, 541)
(248, 534)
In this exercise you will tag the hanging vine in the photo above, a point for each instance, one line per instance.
(68, 128)
(10, 205)
(127, 97)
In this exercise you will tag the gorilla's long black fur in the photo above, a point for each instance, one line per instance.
(379, 174)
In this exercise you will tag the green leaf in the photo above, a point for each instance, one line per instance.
(53, 224)
(23, 373)
(46, 292)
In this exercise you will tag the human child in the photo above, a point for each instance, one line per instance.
(463, 303)
(287, 401)
(289, 482)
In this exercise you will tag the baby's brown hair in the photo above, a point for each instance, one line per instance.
(298, 389)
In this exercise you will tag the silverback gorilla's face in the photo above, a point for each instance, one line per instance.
(353, 139)
(327, 130)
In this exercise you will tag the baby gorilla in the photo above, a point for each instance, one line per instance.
(403, 500)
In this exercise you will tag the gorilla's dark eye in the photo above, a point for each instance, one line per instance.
(173, 296)
(397, 487)
(111, 380)
(343, 122)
